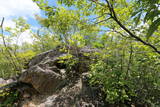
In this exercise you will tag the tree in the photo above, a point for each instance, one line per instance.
(110, 9)
(11, 62)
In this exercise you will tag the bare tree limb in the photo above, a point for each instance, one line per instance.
(2, 32)
(130, 60)
(6, 47)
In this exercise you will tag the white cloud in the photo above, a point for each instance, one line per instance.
(9, 23)
(25, 37)
(12, 8)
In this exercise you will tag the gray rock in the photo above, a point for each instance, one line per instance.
(2, 81)
(45, 81)
(50, 78)
(5, 82)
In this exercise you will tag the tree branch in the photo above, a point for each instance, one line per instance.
(102, 20)
(114, 17)
(99, 16)
(4, 42)
(6, 47)
(120, 33)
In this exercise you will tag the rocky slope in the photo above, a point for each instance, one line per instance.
(49, 83)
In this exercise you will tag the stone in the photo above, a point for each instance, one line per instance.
(56, 86)
(5, 82)
(2, 81)
(45, 81)
(44, 72)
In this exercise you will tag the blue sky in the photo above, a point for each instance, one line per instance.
(10, 9)
(18, 8)
(24, 8)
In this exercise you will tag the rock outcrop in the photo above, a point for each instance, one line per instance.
(45, 73)
(55, 86)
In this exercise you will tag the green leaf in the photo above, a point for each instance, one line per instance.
(136, 12)
(153, 27)
(137, 19)
(151, 15)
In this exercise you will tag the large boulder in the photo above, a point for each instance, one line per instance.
(44, 81)
(42, 72)
(77, 93)
(54, 85)
(45, 73)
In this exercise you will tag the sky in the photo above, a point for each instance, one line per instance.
(10, 9)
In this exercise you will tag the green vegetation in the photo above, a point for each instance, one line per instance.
(127, 35)
(9, 97)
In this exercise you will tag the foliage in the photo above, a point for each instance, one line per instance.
(69, 60)
(128, 73)
(151, 10)
(10, 61)
(122, 86)
(44, 40)
(9, 98)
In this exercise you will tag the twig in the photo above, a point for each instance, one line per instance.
(6, 48)
(2, 32)
(102, 20)
(120, 33)
(99, 16)
(130, 60)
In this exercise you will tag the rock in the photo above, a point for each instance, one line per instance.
(45, 81)
(26, 95)
(9, 81)
(71, 95)
(5, 82)
(45, 73)
(55, 53)
(2, 81)
(56, 86)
